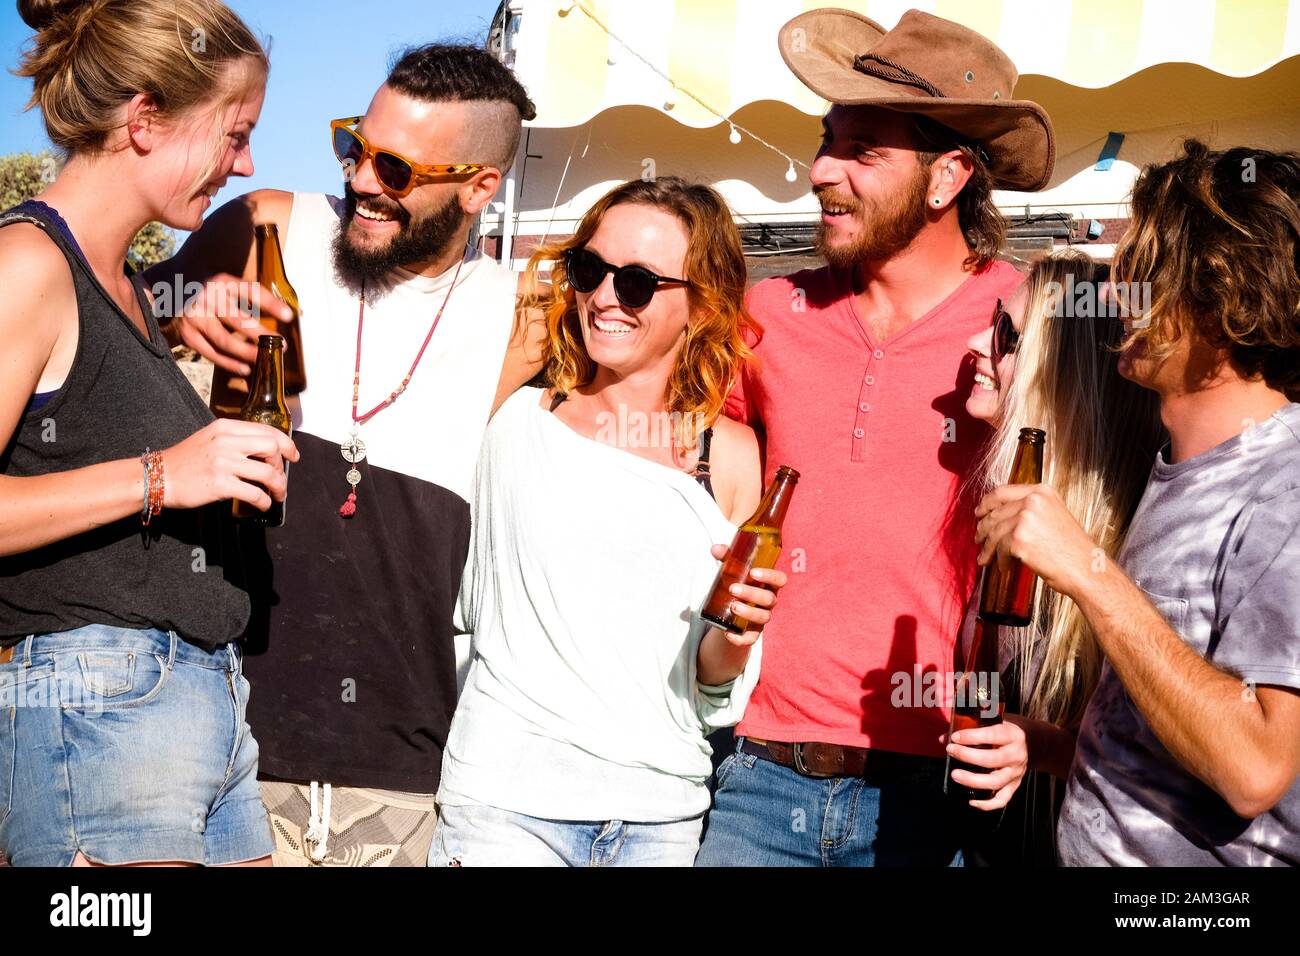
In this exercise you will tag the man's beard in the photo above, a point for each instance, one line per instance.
(887, 228)
(416, 241)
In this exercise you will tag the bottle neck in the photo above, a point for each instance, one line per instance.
(776, 502)
(1027, 469)
(267, 252)
(268, 378)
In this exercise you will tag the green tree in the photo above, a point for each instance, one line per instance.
(23, 175)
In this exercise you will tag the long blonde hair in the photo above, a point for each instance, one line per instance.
(1103, 432)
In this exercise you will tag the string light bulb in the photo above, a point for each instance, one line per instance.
(670, 98)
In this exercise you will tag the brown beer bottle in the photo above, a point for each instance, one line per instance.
(978, 702)
(1007, 594)
(756, 545)
(266, 405)
(227, 394)
(270, 272)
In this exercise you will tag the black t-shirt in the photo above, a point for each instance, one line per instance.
(350, 649)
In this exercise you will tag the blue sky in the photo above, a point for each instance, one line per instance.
(325, 63)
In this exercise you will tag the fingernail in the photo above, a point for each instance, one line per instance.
(735, 589)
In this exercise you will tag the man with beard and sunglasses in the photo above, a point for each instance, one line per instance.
(410, 341)
(839, 759)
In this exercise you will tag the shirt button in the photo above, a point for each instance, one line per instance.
(879, 354)
(871, 380)
(865, 406)
(858, 433)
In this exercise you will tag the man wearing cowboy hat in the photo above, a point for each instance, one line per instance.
(862, 387)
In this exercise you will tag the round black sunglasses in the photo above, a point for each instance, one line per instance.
(634, 286)
(1005, 337)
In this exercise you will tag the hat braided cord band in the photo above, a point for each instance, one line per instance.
(895, 72)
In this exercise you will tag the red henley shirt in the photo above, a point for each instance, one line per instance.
(881, 557)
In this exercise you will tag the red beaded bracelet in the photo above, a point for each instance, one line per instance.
(155, 483)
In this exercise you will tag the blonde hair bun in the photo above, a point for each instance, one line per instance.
(90, 57)
(41, 14)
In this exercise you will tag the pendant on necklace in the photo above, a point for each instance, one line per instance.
(353, 451)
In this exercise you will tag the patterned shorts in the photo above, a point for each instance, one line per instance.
(360, 827)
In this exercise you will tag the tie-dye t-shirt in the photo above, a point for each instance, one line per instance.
(1215, 544)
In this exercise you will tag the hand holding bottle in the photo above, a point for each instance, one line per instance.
(752, 603)
(1031, 524)
(989, 760)
(228, 459)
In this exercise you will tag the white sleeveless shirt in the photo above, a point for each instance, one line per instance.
(452, 390)
(587, 569)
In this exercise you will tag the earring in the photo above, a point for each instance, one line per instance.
(937, 201)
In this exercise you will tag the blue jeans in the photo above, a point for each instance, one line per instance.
(478, 835)
(765, 814)
(130, 746)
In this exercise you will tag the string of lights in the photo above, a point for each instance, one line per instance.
(735, 135)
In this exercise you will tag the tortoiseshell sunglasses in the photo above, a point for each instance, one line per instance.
(397, 174)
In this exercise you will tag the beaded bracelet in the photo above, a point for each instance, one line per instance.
(144, 501)
(154, 484)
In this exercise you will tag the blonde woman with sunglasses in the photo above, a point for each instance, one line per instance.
(1047, 361)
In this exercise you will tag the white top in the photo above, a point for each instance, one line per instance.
(433, 432)
(587, 569)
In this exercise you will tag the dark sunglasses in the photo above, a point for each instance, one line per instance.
(634, 286)
(1005, 337)
(395, 172)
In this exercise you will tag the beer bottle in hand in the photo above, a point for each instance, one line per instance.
(270, 273)
(230, 390)
(1008, 593)
(978, 702)
(756, 545)
(266, 405)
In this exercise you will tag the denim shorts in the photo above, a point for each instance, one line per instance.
(130, 746)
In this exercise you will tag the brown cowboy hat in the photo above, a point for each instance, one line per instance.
(931, 66)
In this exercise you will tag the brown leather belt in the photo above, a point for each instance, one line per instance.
(6, 654)
(834, 760)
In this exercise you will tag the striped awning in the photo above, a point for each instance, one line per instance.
(697, 60)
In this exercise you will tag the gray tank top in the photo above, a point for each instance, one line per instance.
(122, 394)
